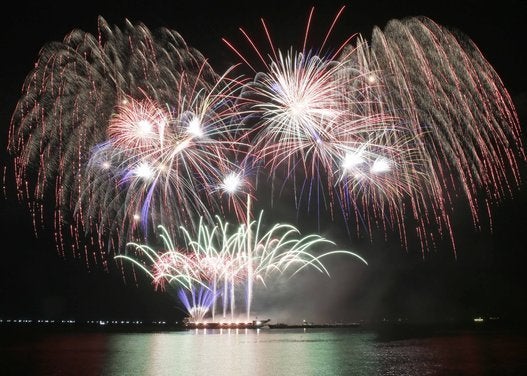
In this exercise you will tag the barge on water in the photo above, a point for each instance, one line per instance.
(255, 324)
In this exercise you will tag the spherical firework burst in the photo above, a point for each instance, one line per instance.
(225, 260)
(119, 129)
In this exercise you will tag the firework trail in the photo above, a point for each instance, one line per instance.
(120, 130)
(438, 83)
(225, 260)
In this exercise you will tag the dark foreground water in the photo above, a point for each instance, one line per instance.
(302, 352)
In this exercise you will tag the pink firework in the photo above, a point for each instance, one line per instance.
(138, 126)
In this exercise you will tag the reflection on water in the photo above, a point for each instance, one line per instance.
(262, 352)
(235, 352)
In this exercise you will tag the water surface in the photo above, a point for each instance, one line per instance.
(262, 352)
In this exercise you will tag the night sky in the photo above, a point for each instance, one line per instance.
(487, 278)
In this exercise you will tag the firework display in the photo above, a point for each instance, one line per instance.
(468, 137)
(392, 133)
(121, 131)
(130, 134)
(321, 126)
(219, 264)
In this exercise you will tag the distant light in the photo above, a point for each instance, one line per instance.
(231, 183)
(478, 319)
(352, 160)
(194, 127)
(371, 78)
(143, 170)
(380, 165)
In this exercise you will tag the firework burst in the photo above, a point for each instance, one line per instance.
(321, 126)
(120, 129)
(438, 84)
(225, 260)
(393, 132)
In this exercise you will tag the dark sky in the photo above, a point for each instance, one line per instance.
(487, 278)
